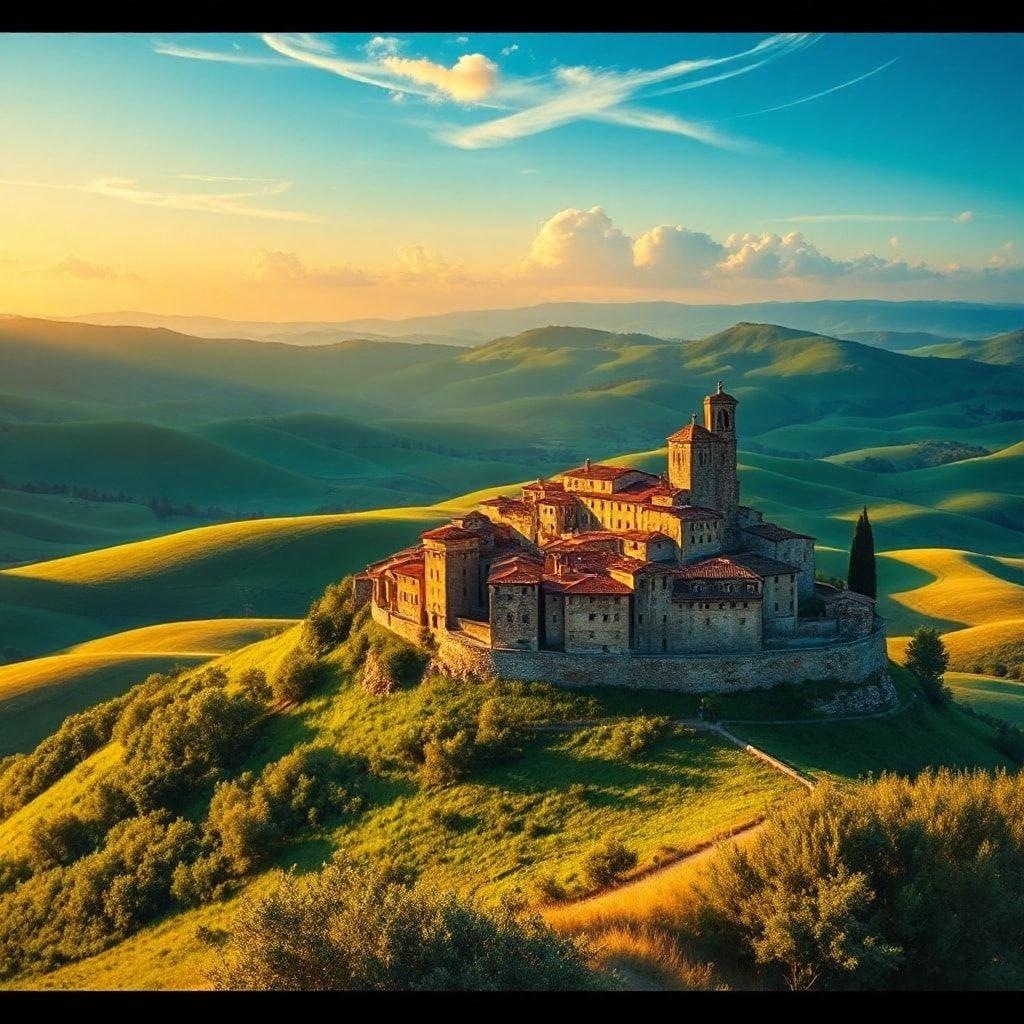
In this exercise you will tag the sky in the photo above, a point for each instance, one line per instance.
(302, 177)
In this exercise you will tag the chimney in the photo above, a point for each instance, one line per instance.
(587, 465)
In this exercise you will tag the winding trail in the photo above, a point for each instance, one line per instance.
(742, 833)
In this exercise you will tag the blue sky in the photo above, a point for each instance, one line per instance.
(396, 175)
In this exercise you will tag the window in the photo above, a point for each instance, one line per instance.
(604, 618)
(526, 617)
(591, 617)
(743, 621)
(509, 616)
(640, 618)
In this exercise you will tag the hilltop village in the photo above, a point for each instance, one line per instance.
(610, 560)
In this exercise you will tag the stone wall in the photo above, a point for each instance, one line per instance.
(850, 661)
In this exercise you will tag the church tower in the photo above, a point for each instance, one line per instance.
(720, 420)
(693, 461)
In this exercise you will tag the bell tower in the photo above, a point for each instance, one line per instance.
(720, 419)
(693, 460)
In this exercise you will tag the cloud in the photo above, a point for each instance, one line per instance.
(285, 268)
(74, 267)
(581, 93)
(895, 241)
(963, 218)
(676, 255)
(868, 218)
(509, 50)
(379, 45)
(168, 49)
(581, 245)
(233, 204)
(470, 79)
(585, 247)
(418, 264)
(817, 95)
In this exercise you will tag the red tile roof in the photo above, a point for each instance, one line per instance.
(719, 568)
(694, 432)
(643, 535)
(413, 567)
(449, 532)
(598, 585)
(598, 471)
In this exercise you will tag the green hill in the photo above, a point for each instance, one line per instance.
(1002, 350)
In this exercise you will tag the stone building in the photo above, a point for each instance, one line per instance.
(610, 560)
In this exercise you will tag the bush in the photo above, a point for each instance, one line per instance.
(1010, 741)
(253, 682)
(606, 864)
(995, 668)
(928, 659)
(499, 731)
(56, 841)
(891, 884)
(629, 739)
(296, 677)
(350, 929)
(329, 619)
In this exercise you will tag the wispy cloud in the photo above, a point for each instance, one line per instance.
(235, 204)
(817, 95)
(168, 49)
(586, 94)
(532, 105)
(882, 218)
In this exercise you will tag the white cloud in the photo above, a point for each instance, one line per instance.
(285, 268)
(380, 45)
(470, 79)
(963, 218)
(417, 264)
(895, 241)
(462, 40)
(233, 204)
(168, 49)
(676, 255)
(582, 245)
(585, 247)
(509, 50)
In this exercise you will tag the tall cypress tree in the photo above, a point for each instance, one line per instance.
(861, 577)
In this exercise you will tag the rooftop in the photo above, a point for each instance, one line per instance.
(764, 566)
(598, 471)
(772, 532)
(718, 568)
(694, 432)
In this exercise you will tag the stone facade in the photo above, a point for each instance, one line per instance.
(606, 562)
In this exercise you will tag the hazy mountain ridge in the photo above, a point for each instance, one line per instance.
(661, 319)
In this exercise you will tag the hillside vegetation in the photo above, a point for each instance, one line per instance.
(220, 779)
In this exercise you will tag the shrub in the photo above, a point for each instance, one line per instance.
(352, 929)
(24, 776)
(499, 731)
(1010, 741)
(629, 739)
(995, 668)
(607, 863)
(445, 760)
(296, 677)
(253, 682)
(329, 619)
(895, 884)
(55, 841)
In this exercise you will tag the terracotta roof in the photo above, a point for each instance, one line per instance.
(772, 532)
(556, 499)
(694, 432)
(516, 569)
(449, 532)
(764, 566)
(850, 595)
(719, 568)
(643, 535)
(598, 471)
(597, 584)
(413, 567)
(686, 511)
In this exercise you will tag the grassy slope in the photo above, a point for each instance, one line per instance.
(37, 695)
(488, 835)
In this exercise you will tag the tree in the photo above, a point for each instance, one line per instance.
(928, 659)
(861, 577)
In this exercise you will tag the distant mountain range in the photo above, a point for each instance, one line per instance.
(858, 320)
